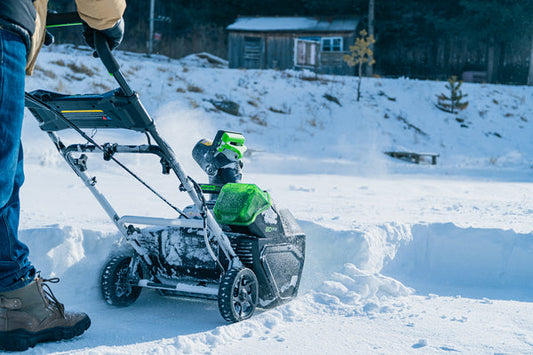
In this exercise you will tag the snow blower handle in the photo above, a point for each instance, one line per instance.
(111, 64)
(104, 52)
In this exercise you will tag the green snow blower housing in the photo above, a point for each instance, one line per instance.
(240, 204)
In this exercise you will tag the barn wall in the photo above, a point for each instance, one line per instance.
(277, 51)
(235, 50)
(246, 50)
(280, 52)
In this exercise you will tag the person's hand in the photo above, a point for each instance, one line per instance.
(114, 35)
(48, 38)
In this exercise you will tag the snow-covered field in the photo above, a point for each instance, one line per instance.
(401, 258)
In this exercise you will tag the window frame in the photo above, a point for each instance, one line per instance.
(331, 44)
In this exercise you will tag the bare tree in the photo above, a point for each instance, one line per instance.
(360, 53)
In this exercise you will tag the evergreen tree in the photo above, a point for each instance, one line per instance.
(454, 102)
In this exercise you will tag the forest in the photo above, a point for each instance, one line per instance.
(415, 38)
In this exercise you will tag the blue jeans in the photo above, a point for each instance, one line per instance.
(15, 269)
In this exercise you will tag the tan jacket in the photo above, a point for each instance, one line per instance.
(99, 14)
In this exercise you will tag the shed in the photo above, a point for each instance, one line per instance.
(292, 42)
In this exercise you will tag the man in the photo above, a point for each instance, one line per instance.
(29, 311)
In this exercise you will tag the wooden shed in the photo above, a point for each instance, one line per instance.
(292, 42)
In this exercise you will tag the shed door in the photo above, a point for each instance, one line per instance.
(306, 53)
(253, 50)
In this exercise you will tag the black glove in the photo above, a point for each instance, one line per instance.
(48, 38)
(114, 34)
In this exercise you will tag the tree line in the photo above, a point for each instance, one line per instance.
(418, 38)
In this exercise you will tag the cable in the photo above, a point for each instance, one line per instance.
(92, 141)
(203, 214)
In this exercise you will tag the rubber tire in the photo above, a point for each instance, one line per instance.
(112, 273)
(230, 291)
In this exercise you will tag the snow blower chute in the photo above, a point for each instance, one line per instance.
(236, 246)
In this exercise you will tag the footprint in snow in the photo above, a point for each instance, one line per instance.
(421, 343)
(447, 348)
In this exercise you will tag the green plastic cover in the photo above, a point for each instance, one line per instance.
(240, 204)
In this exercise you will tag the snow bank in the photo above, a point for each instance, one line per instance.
(367, 268)
(75, 255)
(369, 265)
(468, 257)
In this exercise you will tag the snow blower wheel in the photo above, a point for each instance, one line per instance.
(237, 294)
(117, 284)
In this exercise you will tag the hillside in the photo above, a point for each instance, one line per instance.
(287, 113)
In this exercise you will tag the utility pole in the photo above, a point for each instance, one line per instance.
(530, 76)
(151, 39)
(371, 5)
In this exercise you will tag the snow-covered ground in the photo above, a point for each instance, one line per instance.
(401, 258)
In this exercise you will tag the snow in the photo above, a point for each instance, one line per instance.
(305, 24)
(400, 258)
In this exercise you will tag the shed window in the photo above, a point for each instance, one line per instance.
(332, 44)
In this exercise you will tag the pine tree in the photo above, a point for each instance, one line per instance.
(360, 53)
(452, 103)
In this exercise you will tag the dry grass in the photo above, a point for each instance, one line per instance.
(332, 99)
(194, 88)
(193, 103)
(101, 86)
(59, 62)
(75, 77)
(258, 118)
(80, 69)
(48, 73)
(279, 110)
(60, 87)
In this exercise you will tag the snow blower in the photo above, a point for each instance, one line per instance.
(234, 246)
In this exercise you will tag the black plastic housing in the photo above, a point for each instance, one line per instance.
(108, 110)
(277, 259)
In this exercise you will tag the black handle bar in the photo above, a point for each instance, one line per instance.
(104, 52)
(63, 19)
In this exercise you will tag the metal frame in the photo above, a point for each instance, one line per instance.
(213, 232)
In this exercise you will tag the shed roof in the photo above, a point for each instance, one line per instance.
(303, 24)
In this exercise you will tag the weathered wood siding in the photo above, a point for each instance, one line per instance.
(333, 62)
(280, 52)
(246, 51)
(277, 51)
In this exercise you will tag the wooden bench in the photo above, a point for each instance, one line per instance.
(416, 158)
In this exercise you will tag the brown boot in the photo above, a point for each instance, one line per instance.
(32, 314)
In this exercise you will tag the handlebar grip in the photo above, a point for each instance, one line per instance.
(104, 52)
(62, 19)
